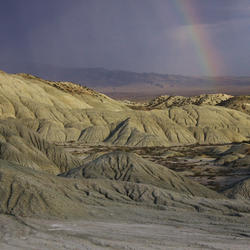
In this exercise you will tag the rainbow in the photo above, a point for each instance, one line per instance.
(209, 57)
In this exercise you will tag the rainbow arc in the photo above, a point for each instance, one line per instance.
(209, 57)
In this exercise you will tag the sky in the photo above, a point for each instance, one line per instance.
(187, 37)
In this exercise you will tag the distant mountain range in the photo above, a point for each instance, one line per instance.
(131, 85)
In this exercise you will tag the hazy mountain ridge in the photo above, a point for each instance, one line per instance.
(133, 85)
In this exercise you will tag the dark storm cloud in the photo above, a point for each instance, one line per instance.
(138, 35)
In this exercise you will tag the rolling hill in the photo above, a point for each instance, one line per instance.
(62, 111)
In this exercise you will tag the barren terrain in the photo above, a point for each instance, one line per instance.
(127, 228)
(79, 170)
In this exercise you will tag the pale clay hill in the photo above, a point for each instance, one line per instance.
(237, 156)
(27, 148)
(240, 103)
(166, 101)
(25, 192)
(240, 190)
(35, 114)
(59, 114)
(123, 166)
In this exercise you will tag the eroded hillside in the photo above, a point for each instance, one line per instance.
(44, 126)
(62, 112)
(162, 102)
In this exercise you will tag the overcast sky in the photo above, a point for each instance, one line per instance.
(136, 35)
